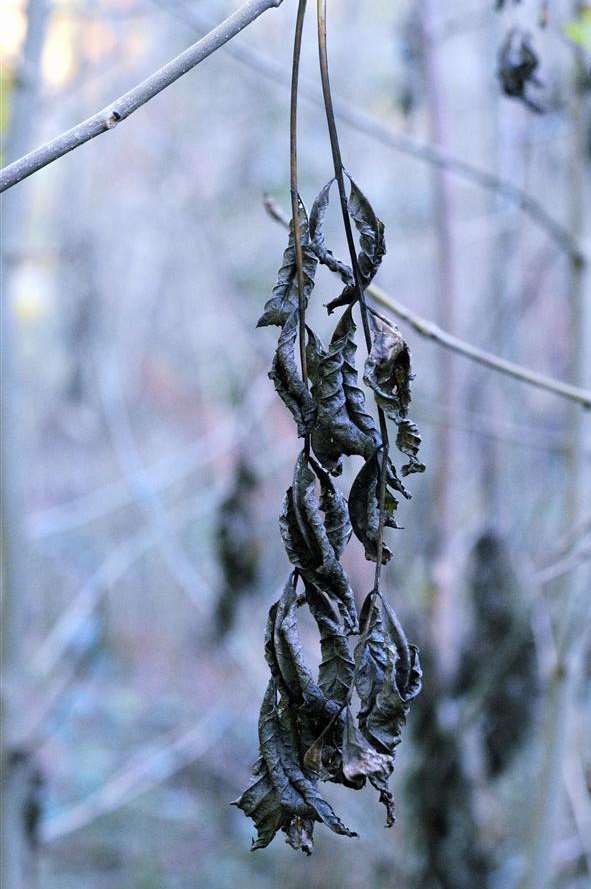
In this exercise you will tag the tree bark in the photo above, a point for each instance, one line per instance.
(17, 854)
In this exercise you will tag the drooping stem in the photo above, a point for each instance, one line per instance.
(295, 216)
(339, 175)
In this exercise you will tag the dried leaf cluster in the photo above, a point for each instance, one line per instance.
(500, 634)
(518, 65)
(308, 732)
(238, 546)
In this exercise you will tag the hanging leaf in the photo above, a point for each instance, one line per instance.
(387, 368)
(286, 378)
(307, 542)
(344, 338)
(284, 299)
(260, 802)
(388, 676)
(497, 671)
(364, 502)
(361, 762)
(408, 441)
(342, 426)
(371, 234)
(325, 256)
(335, 674)
(282, 796)
(518, 64)
(372, 246)
(237, 546)
(286, 661)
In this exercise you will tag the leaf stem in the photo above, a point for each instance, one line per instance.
(293, 163)
(338, 170)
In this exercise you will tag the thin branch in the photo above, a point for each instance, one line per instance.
(125, 105)
(431, 331)
(144, 772)
(164, 472)
(359, 120)
(563, 566)
(119, 561)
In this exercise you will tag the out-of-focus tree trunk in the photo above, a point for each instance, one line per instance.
(572, 615)
(18, 865)
(445, 316)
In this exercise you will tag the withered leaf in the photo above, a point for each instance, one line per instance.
(385, 688)
(518, 64)
(237, 545)
(371, 234)
(343, 339)
(282, 796)
(260, 802)
(307, 542)
(387, 368)
(361, 762)
(364, 499)
(285, 656)
(388, 678)
(336, 670)
(342, 426)
(284, 299)
(408, 441)
(372, 245)
(287, 380)
(324, 255)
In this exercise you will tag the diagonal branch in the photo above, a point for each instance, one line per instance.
(432, 331)
(125, 105)
(142, 773)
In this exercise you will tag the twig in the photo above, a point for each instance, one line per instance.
(563, 566)
(431, 331)
(178, 465)
(381, 132)
(143, 773)
(110, 571)
(126, 104)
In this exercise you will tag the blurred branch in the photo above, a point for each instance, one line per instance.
(109, 572)
(165, 472)
(125, 105)
(140, 484)
(431, 331)
(144, 772)
(563, 566)
(359, 120)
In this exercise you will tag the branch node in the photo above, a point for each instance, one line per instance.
(112, 118)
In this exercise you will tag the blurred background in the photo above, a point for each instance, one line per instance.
(146, 453)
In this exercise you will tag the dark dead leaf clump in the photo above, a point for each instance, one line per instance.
(308, 732)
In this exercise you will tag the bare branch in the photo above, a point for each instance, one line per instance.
(144, 772)
(125, 105)
(563, 566)
(432, 331)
